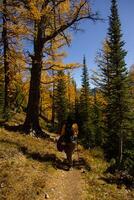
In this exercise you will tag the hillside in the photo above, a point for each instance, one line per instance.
(31, 168)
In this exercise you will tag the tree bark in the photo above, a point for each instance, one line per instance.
(120, 154)
(6, 62)
(53, 104)
(32, 117)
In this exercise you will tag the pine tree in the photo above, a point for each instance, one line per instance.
(128, 153)
(61, 101)
(71, 93)
(97, 118)
(117, 111)
(85, 118)
(84, 98)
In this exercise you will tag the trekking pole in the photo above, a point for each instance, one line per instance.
(77, 150)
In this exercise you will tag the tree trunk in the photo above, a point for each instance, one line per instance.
(120, 149)
(53, 104)
(6, 62)
(32, 117)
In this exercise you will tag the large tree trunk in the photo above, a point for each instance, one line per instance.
(6, 62)
(53, 104)
(32, 117)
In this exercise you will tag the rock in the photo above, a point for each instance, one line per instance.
(32, 134)
(16, 124)
(83, 171)
(2, 185)
(46, 196)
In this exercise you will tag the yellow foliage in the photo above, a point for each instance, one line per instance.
(71, 91)
(99, 99)
(34, 11)
(17, 29)
(46, 100)
(106, 47)
(64, 6)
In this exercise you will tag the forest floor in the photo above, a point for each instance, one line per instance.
(32, 169)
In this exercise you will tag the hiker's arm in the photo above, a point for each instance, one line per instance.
(75, 129)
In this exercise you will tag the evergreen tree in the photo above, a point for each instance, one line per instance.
(61, 101)
(85, 118)
(102, 80)
(85, 91)
(77, 104)
(128, 154)
(97, 118)
(117, 112)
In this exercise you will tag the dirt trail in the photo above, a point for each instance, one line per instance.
(62, 184)
(66, 185)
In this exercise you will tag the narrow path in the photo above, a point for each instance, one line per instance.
(66, 185)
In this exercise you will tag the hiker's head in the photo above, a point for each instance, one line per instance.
(70, 119)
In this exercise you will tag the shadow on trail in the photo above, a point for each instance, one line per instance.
(77, 164)
(59, 164)
(49, 157)
(27, 152)
(37, 156)
(81, 164)
(55, 161)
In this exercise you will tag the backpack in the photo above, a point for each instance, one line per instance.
(68, 132)
(61, 143)
(69, 135)
(66, 138)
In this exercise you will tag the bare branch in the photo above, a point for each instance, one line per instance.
(66, 25)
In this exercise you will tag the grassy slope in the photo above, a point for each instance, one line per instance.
(23, 171)
(98, 188)
(26, 163)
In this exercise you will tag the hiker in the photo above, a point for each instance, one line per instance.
(70, 132)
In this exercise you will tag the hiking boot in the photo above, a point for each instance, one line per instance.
(65, 161)
(70, 169)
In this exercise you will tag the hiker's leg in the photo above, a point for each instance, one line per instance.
(69, 158)
(69, 153)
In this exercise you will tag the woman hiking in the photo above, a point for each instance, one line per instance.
(70, 132)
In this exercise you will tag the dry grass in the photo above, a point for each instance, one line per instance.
(26, 166)
(25, 163)
(98, 188)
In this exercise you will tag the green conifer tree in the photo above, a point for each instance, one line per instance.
(85, 109)
(97, 119)
(61, 101)
(118, 104)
